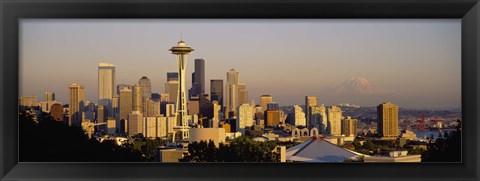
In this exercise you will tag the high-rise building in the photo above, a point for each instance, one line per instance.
(319, 118)
(156, 97)
(172, 76)
(273, 106)
(171, 88)
(146, 88)
(193, 106)
(272, 117)
(387, 116)
(164, 97)
(310, 101)
(121, 86)
(334, 126)
(56, 112)
(28, 101)
(198, 79)
(206, 107)
(216, 91)
(216, 114)
(106, 86)
(126, 105)
(349, 126)
(116, 108)
(264, 100)
(137, 98)
(181, 51)
(49, 96)
(170, 110)
(150, 124)
(200, 74)
(111, 126)
(153, 108)
(245, 116)
(76, 104)
(135, 123)
(101, 114)
(297, 117)
(232, 91)
(242, 94)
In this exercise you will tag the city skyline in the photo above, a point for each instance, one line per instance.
(434, 81)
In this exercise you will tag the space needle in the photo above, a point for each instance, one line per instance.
(181, 51)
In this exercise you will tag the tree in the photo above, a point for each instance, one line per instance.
(446, 149)
(42, 139)
(241, 149)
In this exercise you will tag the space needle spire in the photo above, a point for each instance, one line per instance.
(181, 51)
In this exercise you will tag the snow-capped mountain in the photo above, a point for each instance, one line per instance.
(359, 86)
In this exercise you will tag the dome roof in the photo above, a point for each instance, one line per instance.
(261, 139)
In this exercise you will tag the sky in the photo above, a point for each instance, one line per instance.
(416, 61)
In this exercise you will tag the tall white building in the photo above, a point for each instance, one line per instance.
(232, 91)
(245, 116)
(106, 86)
(216, 113)
(135, 123)
(310, 101)
(298, 116)
(334, 124)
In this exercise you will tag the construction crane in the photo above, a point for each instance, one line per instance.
(89, 127)
(421, 123)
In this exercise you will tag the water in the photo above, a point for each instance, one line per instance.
(427, 133)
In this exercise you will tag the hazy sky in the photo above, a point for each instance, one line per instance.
(417, 60)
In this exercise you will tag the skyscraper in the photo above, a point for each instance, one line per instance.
(264, 100)
(121, 86)
(297, 117)
(242, 94)
(76, 104)
(232, 92)
(101, 114)
(245, 116)
(319, 118)
(349, 126)
(387, 116)
(28, 101)
(171, 86)
(125, 101)
(135, 123)
(198, 79)
(272, 117)
(172, 76)
(49, 96)
(273, 106)
(310, 101)
(137, 98)
(106, 86)
(181, 51)
(334, 126)
(216, 91)
(146, 88)
(116, 108)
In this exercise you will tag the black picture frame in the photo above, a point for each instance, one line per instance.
(467, 10)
